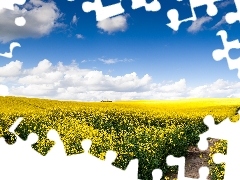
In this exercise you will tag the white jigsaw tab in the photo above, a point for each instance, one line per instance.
(9, 4)
(232, 17)
(180, 162)
(157, 174)
(153, 6)
(102, 12)
(57, 165)
(173, 14)
(21, 155)
(12, 46)
(103, 169)
(20, 151)
(226, 130)
(219, 54)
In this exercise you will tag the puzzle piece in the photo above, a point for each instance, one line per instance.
(232, 17)
(12, 46)
(21, 153)
(180, 162)
(56, 164)
(20, 21)
(102, 12)
(100, 167)
(157, 174)
(229, 131)
(173, 14)
(9, 4)
(219, 54)
(20, 150)
(20, 157)
(153, 6)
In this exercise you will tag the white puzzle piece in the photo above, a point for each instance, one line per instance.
(102, 12)
(219, 54)
(180, 162)
(153, 6)
(56, 164)
(19, 21)
(226, 130)
(233, 17)
(173, 14)
(9, 4)
(10, 54)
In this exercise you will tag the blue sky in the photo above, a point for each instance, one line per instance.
(133, 55)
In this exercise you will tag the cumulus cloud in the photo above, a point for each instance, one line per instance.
(11, 69)
(41, 19)
(3, 90)
(198, 24)
(114, 24)
(69, 82)
(219, 88)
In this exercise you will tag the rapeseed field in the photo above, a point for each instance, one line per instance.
(147, 130)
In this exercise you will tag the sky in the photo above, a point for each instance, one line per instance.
(67, 54)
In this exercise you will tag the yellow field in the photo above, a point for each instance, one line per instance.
(147, 130)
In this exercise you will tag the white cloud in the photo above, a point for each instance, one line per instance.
(3, 90)
(84, 61)
(41, 19)
(178, 86)
(72, 83)
(197, 25)
(113, 61)
(42, 67)
(222, 21)
(225, 3)
(79, 36)
(219, 88)
(11, 69)
(114, 24)
(108, 61)
(74, 20)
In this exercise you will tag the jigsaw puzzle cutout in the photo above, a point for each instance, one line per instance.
(57, 160)
(180, 162)
(219, 54)
(153, 6)
(173, 14)
(56, 164)
(19, 21)
(232, 17)
(103, 12)
(9, 4)
(12, 46)
(21, 154)
(226, 130)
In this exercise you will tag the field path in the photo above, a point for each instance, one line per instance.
(194, 161)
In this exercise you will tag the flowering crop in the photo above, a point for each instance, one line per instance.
(147, 130)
